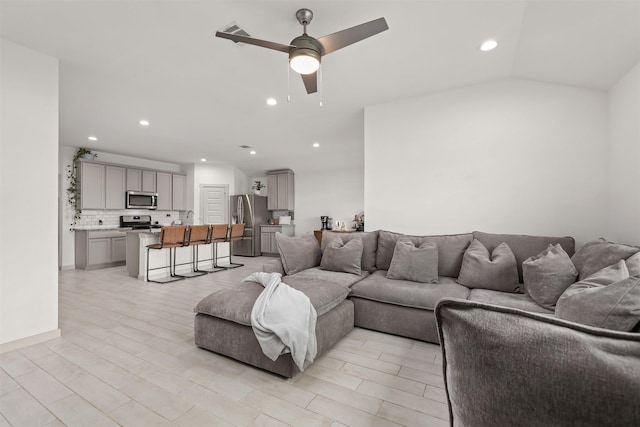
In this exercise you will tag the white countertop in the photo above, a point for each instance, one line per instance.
(100, 228)
(277, 225)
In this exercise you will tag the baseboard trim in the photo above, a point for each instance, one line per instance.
(25, 342)
(67, 267)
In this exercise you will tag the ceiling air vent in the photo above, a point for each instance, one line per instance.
(234, 28)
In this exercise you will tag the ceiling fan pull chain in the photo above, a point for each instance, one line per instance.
(288, 83)
(320, 84)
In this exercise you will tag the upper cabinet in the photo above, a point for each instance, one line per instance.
(141, 180)
(179, 192)
(172, 191)
(280, 190)
(101, 186)
(164, 191)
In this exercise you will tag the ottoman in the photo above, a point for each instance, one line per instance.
(223, 323)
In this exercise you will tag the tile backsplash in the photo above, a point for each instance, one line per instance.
(90, 218)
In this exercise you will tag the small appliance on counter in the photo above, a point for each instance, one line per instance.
(324, 220)
(138, 222)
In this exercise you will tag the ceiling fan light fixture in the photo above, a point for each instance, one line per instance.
(304, 61)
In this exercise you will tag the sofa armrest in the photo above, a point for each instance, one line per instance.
(273, 266)
(505, 366)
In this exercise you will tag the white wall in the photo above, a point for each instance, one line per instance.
(512, 156)
(335, 193)
(624, 159)
(29, 194)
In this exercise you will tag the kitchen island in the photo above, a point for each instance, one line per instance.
(136, 259)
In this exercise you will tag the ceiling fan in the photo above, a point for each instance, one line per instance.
(305, 52)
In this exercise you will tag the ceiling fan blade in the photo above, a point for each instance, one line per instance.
(343, 38)
(310, 82)
(257, 42)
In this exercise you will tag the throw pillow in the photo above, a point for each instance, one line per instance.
(598, 254)
(497, 272)
(343, 257)
(633, 264)
(417, 264)
(298, 253)
(597, 301)
(547, 275)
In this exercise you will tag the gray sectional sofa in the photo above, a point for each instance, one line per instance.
(382, 291)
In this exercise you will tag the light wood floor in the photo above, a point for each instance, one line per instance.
(127, 357)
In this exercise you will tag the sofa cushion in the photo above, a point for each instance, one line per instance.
(298, 253)
(340, 256)
(235, 303)
(505, 367)
(598, 254)
(496, 271)
(548, 274)
(369, 245)
(417, 264)
(614, 306)
(405, 293)
(317, 275)
(450, 250)
(507, 299)
(524, 246)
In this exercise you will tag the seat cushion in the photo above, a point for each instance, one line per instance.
(320, 276)
(405, 293)
(507, 299)
(235, 303)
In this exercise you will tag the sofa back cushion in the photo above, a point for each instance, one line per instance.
(598, 254)
(524, 246)
(450, 250)
(369, 245)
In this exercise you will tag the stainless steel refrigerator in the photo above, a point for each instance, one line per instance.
(250, 210)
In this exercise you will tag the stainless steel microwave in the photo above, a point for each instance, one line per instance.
(141, 200)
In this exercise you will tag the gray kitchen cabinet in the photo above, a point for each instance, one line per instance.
(115, 184)
(101, 186)
(179, 192)
(118, 249)
(141, 180)
(99, 249)
(280, 190)
(268, 245)
(92, 185)
(163, 182)
(149, 181)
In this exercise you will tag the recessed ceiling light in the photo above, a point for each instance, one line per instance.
(92, 138)
(272, 101)
(488, 45)
(252, 152)
(316, 145)
(144, 122)
(203, 159)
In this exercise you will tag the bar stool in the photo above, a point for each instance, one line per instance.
(171, 237)
(236, 233)
(219, 233)
(197, 235)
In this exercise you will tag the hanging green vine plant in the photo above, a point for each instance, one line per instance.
(73, 189)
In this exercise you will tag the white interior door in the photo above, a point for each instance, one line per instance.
(214, 204)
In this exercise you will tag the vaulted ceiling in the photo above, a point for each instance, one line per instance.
(122, 61)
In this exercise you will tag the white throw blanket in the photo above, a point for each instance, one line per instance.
(283, 320)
